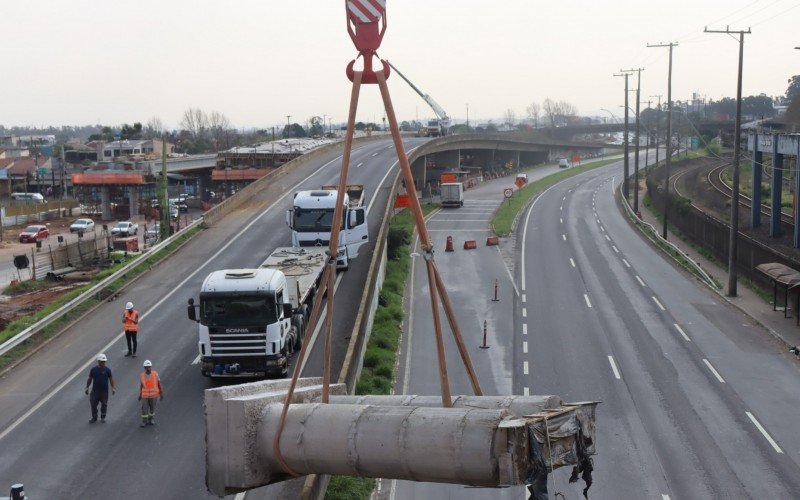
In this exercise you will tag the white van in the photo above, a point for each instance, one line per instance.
(563, 163)
(27, 197)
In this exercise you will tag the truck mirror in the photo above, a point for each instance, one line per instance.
(353, 218)
(190, 310)
(289, 218)
(287, 311)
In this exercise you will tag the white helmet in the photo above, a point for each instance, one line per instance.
(129, 306)
(102, 357)
(147, 363)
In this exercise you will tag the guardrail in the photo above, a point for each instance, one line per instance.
(53, 316)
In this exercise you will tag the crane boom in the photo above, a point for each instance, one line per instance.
(441, 114)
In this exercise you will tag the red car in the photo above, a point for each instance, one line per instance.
(32, 234)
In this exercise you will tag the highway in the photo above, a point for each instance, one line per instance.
(46, 441)
(697, 402)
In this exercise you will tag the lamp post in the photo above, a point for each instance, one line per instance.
(288, 126)
(467, 116)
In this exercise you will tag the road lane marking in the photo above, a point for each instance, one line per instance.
(561, 220)
(359, 164)
(640, 280)
(715, 372)
(525, 347)
(375, 154)
(609, 239)
(614, 367)
(196, 360)
(459, 230)
(319, 324)
(678, 327)
(626, 263)
(664, 497)
(460, 220)
(615, 248)
(524, 312)
(658, 303)
(586, 298)
(525, 367)
(572, 262)
(564, 198)
(564, 236)
(526, 391)
(524, 329)
(524, 298)
(240, 496)
(601, 227)
(508, 271)
(764, 432)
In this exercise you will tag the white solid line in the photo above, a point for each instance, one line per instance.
(564, 236)
(525, 347)
(614, 367)
(81, 370)
(615, 248)
(240, 496)
(508, 271)
(318, 328)
(572, 262)
(640, 281)
(658, 303)
(526, 391)
(524, 298)
(407, 371)
(764, 432)
(586, 298)
(524, 329)
(678, 327)
(525, 367)
(626, 263)
(196, 360)
(715, 372)
(524, 312)
(609, 239)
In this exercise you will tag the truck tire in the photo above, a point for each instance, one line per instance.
(299, 325)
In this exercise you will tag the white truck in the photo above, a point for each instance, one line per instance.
(312, 215)
(250, 321)
(452, 194)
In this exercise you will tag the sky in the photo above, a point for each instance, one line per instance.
(76, 62)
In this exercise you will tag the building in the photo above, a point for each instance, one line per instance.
(144, 148)
(23, 174)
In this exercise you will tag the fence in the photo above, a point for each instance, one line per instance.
(713, 234)
(88, 251)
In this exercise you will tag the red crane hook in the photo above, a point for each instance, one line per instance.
(366, 24)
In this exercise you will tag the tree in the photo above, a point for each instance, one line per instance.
(550, 109)
(195, 121)
(129, 132)
(296, 130)
(317, 126)
(758, 105)
(491, 127)
(509, 117)
(794, 87)
(219, 127)
(533, 111)
(154, 128)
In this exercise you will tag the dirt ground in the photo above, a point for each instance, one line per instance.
(16, 305)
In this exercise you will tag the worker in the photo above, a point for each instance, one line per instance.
(149, 390)
(99, 379)
(130, 319)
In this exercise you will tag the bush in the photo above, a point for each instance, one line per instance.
(396, 238)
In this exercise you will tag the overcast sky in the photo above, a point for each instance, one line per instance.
(256, 61)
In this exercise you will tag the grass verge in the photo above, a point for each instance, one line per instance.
(377, 375)
(504, 216)
(76, 312)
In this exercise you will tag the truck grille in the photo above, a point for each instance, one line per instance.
(251, 343)
(315, 243)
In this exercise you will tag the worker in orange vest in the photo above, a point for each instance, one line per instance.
(149, 390)
(130, 320)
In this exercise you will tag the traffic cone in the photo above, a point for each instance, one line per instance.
(449, 246)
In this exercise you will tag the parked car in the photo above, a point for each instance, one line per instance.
(32, 234)
(173, 212)
(563, 163)
(81, 225)
(126, 228)
(27, 197)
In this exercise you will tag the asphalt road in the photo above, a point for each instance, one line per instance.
(697, 402)
(46, 441)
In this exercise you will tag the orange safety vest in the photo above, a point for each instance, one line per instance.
(150, 386)
(129, 318)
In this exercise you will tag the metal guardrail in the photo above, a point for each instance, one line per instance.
(53, 316)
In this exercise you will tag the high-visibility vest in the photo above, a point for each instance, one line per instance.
(129, 318)
(150, 387)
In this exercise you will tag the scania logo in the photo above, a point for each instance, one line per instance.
(236, 330)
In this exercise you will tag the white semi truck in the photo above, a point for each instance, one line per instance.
(250, 321)
(312, 215)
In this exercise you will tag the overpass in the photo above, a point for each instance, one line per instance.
(707, 126)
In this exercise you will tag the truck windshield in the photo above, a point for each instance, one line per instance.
(316, 220)
(238, 311)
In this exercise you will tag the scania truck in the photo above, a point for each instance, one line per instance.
(250, 321)
(311, 220)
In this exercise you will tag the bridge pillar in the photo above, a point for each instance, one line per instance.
(777, 190)
(133, 196)
(105, 202)
(755, 212)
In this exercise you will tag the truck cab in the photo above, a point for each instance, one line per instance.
(311, 220)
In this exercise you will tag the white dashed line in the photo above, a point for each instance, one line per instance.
(678, 327)
(561, 207)
(615, 248)
(664, 497)
(614, 367)
(359, 164)
(564, 236)
(586, 298)
(658, 303)
(526, 391)
(525, 367)
(626, 263)
(196, 360)
(524, 298)
(764, 432)
(572, 262)
(609, 239)
(525, 347)
(640, 281)
(524, 329)
(561, 220)
(374, 154)
(524, 312)
(564, 198)
(715, 372)
(601, 227)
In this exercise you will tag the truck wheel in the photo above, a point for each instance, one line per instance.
(299, 324)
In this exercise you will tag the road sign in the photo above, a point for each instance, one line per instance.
(402, 201)
(695, 142)
(508, 192)
(41, 171)
(519, 182)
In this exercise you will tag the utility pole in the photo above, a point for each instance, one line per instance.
(626, 167)
(467, 116)
(737, 139)
(669, 132)
(636, 151)
(647, 149)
